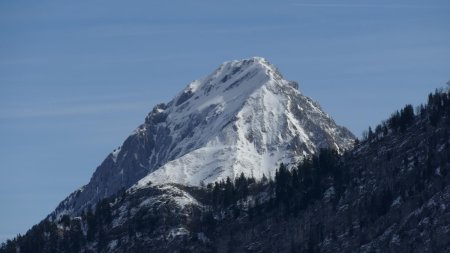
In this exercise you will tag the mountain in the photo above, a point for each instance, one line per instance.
(390, 193)
(242, 118)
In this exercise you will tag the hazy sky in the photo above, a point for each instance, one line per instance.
(76, 77)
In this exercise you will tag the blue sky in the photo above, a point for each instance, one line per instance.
(76, 77)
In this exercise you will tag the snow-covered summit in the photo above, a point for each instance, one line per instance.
(243, 118)
(229, 76)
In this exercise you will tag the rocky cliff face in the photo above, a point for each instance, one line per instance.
(243, 118)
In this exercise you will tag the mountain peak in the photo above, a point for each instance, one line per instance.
(247, 62)
(247, 119)
(232, 80)
(243, 118)
(256, 64)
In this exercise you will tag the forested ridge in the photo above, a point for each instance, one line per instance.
(391, 193)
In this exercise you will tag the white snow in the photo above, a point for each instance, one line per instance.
(437, 171)
(175, 232)
(180, 197)
(115, 153)
(112, 245)
(242, 121)
(329, 194)
(397, 202)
